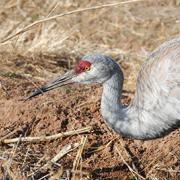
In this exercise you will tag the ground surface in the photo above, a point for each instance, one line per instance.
(127, 34)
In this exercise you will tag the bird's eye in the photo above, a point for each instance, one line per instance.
(87, 68)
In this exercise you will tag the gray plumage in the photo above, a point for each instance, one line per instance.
(155, 109)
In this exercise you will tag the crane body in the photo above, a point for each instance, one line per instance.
(155, 109)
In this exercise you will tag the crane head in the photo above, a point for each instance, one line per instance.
(91, 69)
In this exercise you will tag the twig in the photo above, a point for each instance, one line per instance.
(66, 149)
(129, 157)
(46, 176)
(168, 170)
(28, 27)
(9, 134)
(47, 138)
(52, 10)
(20, 130)
(25, 157)
(101, 148)
(9, 162)
(78, 157)
(129, 167)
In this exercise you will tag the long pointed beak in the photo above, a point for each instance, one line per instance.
(57, 82)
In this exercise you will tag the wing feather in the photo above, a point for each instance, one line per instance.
(157, 98)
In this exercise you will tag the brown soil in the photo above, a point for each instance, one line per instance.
(70, 108)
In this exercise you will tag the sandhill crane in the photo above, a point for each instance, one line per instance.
(155, 109)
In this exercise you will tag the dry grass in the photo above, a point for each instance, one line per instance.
(126, 32)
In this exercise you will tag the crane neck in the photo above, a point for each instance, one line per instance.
(112, 90)
(123, 120)
(111, 108)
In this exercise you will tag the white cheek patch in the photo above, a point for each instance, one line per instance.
(79, 78)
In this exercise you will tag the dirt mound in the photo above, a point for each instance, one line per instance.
(105, 153)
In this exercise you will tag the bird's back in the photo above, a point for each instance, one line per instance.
(157, 99)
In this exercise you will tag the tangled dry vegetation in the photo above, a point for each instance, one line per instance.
(71, 140)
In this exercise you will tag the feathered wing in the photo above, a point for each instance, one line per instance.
(157, 98)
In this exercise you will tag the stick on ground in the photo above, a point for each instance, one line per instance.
(76, 163)
(129, 167)
(46, 138)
